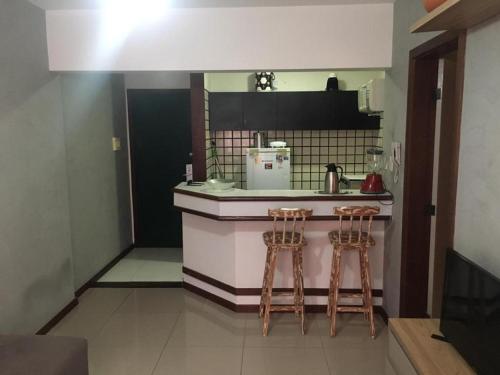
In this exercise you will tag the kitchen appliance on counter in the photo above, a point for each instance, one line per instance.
(268, 168)
(218, 184)
(375, 161)
(259, 140)
(332, 179)
(371, 97)
(277, 144)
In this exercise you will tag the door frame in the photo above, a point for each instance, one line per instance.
(198, 129)
(419, 160)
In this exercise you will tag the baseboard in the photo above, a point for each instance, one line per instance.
(383, 314)
(70, 306)
(320, 309)
(212, 297)
(137, 284)
(257, 291)
(59, 316)
(91, 283)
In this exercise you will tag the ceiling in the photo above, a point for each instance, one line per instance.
(95, 4)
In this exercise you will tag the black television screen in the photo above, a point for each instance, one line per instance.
(470, 318)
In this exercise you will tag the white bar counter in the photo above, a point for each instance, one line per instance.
(224, 253)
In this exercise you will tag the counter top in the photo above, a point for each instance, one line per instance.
(241, 195)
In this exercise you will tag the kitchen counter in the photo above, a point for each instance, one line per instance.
(242, 205)
(224, 254)
(273, 195)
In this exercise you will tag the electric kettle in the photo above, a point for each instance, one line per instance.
(332, 178)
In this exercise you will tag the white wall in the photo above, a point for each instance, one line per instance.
(36, 274)
(478, 210)
(478, 207)
(217, 39)
(99, 197)
(290, 81)
(63, 193)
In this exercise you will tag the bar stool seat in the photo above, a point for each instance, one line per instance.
(289, 237)
(365, 240)
(358, 237)
(268, 239)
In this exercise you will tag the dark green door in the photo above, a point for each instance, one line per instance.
(160, 144)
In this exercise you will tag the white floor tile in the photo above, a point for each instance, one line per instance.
(172, 331)
(284, 361)
(123, 360)
(202, 328)
(149, 330)
(199, 361)
(161, 300)
(147, 264)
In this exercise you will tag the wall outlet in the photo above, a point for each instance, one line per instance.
(116, 144)
(189, 172)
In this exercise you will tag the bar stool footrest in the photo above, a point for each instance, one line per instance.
(353, 309)
(351, 295)
(281, 294)
(284, 308)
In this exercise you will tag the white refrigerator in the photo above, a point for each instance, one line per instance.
(268, 168)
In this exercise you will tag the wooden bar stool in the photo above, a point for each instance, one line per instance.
(355, 237)
(287, 235)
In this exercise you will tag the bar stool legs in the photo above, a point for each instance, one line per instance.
(366, 290)
(299, 280)
(269, 279)
(267, 289)
(296, 286)
(334, 289)
(264, 283)
(368, 286)
(362, 266)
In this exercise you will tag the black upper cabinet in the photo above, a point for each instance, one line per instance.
(226, 111)
(301, 110)
(259, 111)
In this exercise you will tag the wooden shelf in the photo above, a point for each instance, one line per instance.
(427, 355)
(457, 15)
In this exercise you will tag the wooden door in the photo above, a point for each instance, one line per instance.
(448, 175)
(419, 162)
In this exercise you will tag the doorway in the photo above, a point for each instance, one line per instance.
(431, 166)
(160, 147)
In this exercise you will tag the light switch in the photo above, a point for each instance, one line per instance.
(396, 152)
(116, 143)
(395, 160)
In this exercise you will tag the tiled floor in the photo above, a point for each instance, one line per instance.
(147, 264)
(174, 332)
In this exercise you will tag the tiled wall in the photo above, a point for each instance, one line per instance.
(311, 150)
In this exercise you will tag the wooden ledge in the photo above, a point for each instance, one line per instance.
(457, 15)
(427, 355)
